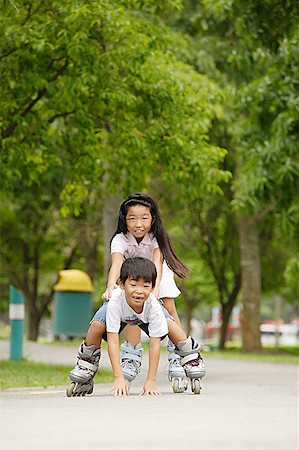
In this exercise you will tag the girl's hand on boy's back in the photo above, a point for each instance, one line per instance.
(150, 388)
(156, 292)
(108, 293)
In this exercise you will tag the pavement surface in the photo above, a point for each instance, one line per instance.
(243, 405)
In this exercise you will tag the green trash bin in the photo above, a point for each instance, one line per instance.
(72, 303)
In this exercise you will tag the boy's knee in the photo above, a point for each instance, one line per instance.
(95, 333)
(97, 327)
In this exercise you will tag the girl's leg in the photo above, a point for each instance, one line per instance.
(132, 335)
(175, 332)
(175, 369)
(188, 349)
(171, 308)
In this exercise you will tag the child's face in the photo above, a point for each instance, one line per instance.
(139, 221)
(137, 292)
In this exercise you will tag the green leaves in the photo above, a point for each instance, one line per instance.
(90, 81)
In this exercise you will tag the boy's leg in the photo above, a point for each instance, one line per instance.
(88, 356)
(131, 353)
(132, 334)
(95, 333)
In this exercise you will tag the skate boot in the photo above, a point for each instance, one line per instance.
(192, 362)
(84, 371)
(176, 373)
(130, 360)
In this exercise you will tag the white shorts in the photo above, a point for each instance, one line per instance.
(168, 288)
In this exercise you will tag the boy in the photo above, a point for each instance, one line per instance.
(132, 304)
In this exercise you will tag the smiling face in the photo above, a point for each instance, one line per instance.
(137, 292)
(139, 221)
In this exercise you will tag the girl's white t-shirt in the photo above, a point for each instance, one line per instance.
(127, 245)
(119, 311)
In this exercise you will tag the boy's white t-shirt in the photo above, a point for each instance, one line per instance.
(119, 311)
(127, 245)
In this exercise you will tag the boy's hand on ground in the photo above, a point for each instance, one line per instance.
(107, 294)
(150, 388)
(120, 387)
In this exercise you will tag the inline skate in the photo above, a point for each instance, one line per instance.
(176, 373)
(84, 371)
(130, 361)
(192, 362)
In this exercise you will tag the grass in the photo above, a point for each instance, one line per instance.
(285, 354)
(15, 374)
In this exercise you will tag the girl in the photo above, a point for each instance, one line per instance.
(140, 232)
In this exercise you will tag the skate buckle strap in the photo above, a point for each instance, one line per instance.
(87, 365)
(196, 347)
(190, 357)
(130, 356)
(130, 350)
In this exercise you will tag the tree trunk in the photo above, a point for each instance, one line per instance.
(110, 218)
(251, 283)
(34, 321)
(89, 238)
(32, 315)
(188, 314)
(226, 311)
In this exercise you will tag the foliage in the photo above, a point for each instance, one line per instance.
(251, 49)
(94, 101)
(88, 84)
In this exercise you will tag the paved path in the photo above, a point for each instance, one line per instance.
(243, 405)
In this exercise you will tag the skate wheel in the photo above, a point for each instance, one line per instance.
(70, 389)
(177, 389)
(196, 386)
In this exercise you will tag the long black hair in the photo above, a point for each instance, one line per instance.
(157, 229)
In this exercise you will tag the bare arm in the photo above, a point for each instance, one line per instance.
(120, 386)
(158, 260)
(116, 261)
(154, 355)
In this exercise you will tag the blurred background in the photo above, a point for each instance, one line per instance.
(194, 103)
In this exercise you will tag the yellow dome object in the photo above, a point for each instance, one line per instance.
(73, 280)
